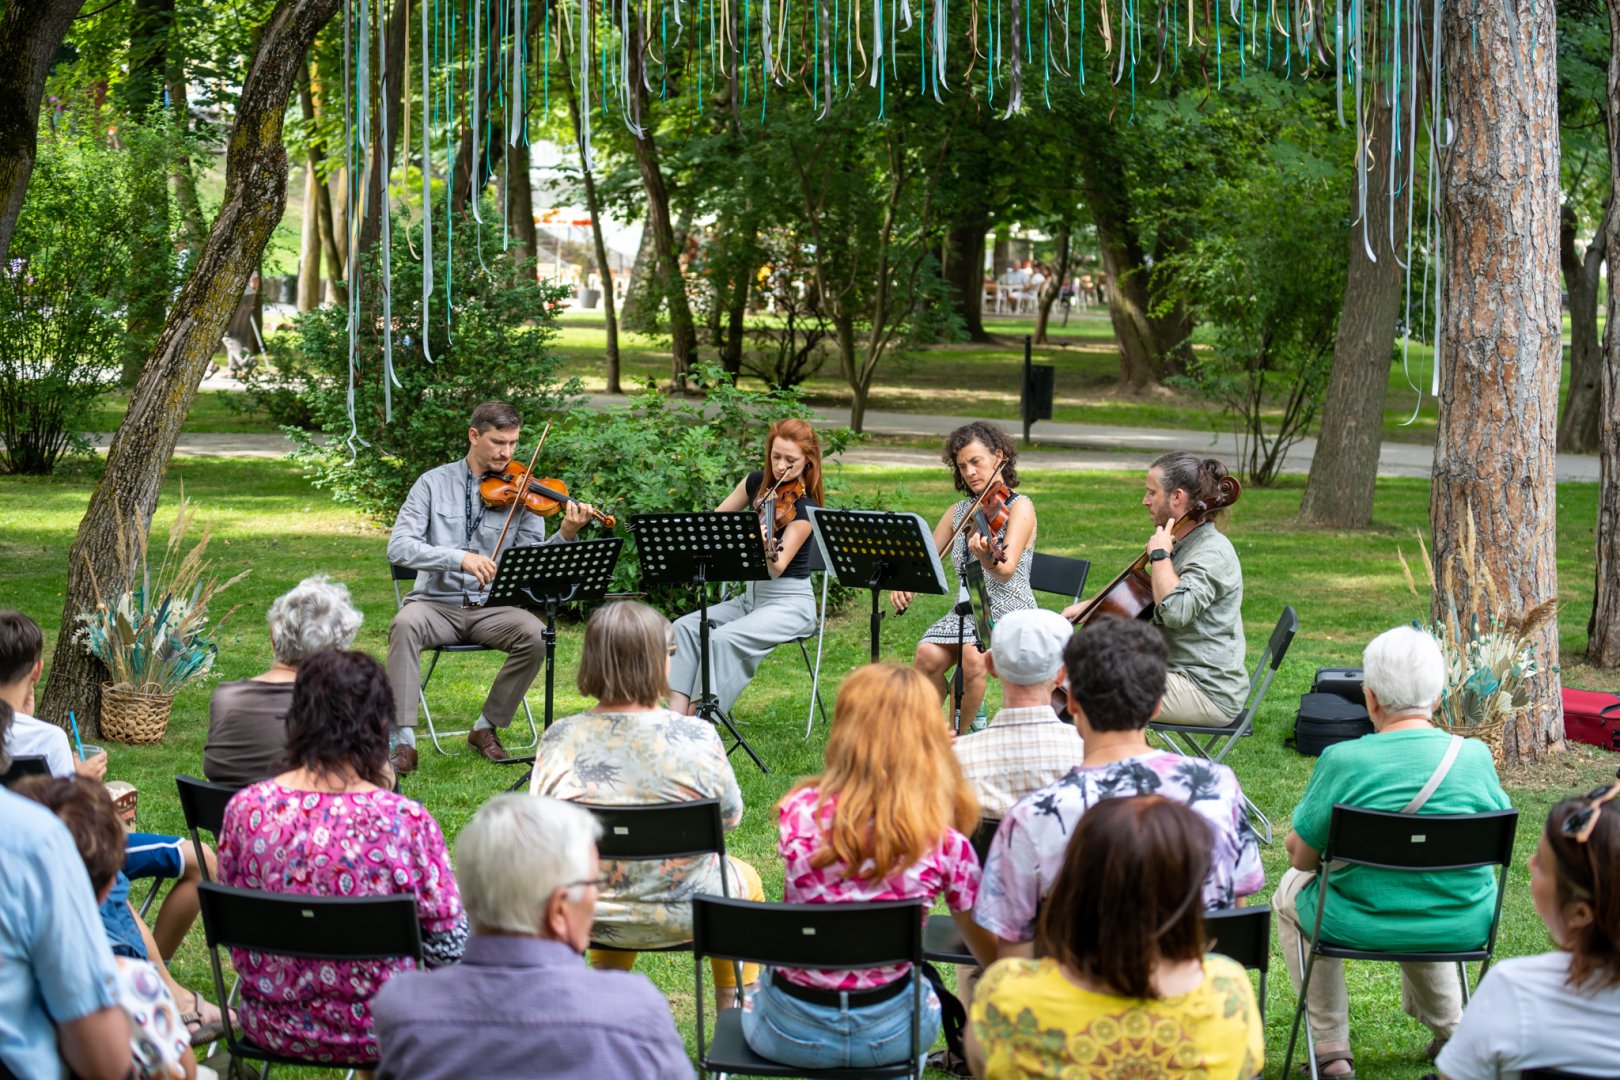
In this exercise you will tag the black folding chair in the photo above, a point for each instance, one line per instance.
(832, 936)
(1059, 574)
(1214, 743)
(407, 574)
(1243, 934)
(661, 831)
(1404, 843)
(942, 942)
(320, 928)
(20, 767)
(202, 804)
(1560, 1074)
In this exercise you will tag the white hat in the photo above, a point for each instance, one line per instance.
(1028, 645)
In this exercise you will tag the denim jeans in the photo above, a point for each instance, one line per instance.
(795, 1032)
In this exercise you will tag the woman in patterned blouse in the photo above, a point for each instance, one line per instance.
(329, 826)
(1124, 985)
(886, 820)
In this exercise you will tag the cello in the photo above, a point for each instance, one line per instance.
(1130, 595)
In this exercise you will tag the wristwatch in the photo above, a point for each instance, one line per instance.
(1157, 555)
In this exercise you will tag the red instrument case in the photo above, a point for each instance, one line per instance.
(1592, 716)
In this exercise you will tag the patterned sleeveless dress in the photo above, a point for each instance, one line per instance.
(1014, 595)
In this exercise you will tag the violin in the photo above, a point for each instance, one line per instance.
(544, 497)
(990, 519)
(1130, 595)
(777, 507)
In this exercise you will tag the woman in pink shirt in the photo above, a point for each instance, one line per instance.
(886, 820)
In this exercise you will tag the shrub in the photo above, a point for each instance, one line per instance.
(496, 347)
(61, 298)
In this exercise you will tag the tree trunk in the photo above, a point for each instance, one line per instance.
(964, 270)
(1578, 426)
(741, 287)
(1603, 632)
(671, 284)
(325, 226)
(254, 198)
(309, 249)
(594, 206)
(391, 90)
(30, 33)
(1344, 472)
(1054, 285)
(517, 196)
(634, 314)
(1493, 499)
(192, 224)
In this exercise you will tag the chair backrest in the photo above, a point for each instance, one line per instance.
(1271, 658)
(1243, 934)
(1420, 842)
(1560, 1074)
(660, 830)
(30, 765)
(202, 804)
(1059, 574)
(322, 927)
(983, 835)
(835, 936)
(397, 574)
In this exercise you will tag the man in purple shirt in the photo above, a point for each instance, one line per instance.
(528, 871)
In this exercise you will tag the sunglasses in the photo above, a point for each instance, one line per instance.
(1579, 825)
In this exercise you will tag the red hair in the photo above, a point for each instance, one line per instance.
(802, 435)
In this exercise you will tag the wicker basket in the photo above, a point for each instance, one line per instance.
(1490, 734)
(132, 715)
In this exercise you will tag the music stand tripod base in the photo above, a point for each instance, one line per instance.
(695, 549)
(876, 550)
(544, 577)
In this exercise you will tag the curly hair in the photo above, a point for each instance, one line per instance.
(993, 439)
(1184, 470)
(341, 712)
(1116, 671)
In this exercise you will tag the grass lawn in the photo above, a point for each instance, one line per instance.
(212, 412)
(1346, 587)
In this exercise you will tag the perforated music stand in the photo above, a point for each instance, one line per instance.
(876, 550)
(547, 576)
(694, 549)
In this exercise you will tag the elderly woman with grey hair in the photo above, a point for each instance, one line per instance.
(530, 879)
(1409, 766)
(247, 719)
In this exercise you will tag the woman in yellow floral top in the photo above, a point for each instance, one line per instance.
(631, 751)
(1126, 987)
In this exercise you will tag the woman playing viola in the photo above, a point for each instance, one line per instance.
(744, 630)
(974, 452)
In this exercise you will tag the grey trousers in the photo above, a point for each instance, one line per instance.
(742, 633)
(425, 624)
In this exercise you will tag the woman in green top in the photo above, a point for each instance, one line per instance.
(1390, 770)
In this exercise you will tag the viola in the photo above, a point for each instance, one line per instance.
(777, 507)
(544, 497)
(1130, 595)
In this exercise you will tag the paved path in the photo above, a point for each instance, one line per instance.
(1059, 446)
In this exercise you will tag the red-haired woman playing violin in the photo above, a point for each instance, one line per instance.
(980, 454)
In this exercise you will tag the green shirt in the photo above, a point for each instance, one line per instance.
(1388, 909)
(1202, 618)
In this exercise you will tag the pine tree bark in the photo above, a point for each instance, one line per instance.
(1344, 471)
(1578, 424)
(255, 197)
(1501, 336)
(1603, 631)
(30, 33)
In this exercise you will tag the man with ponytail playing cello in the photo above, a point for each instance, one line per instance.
(1197, 595)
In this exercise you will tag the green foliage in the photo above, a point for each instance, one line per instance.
(661, 455)
(61, 296)
(496, 347)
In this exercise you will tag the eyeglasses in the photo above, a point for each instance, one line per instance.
(598, 883)
(1580, 824)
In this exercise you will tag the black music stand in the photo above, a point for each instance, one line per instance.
(694, 549)
(877, 550)
(545, 577)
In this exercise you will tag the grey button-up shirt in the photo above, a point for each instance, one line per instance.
(519, 1007)
(1202, 618)
(443, 519)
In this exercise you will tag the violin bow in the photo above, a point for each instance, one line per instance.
(517, 501)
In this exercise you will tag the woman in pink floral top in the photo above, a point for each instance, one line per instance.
(328, 827)
(886, 820)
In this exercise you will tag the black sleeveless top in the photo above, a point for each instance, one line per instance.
(799, 565)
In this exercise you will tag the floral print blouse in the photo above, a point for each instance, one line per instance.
(367, 843)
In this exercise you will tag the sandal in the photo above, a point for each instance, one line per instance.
(1328, 1057)
(200, 1031)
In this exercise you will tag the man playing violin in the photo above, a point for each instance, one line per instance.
(445, 531)
(981, 456)
(1197, 595)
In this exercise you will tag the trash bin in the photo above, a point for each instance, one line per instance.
(589, 297)
(1039, 380)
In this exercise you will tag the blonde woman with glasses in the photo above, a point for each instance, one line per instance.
(629, 750)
